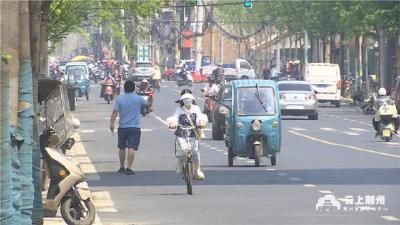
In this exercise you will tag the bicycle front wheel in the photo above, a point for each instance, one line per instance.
(189, 177)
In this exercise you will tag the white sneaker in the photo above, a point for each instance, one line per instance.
(198, 175)
(178, 167)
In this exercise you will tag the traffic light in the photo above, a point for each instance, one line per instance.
(248, 4)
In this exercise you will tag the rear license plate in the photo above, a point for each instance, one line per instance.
(386, 133)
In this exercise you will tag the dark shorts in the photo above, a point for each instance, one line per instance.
(129, 138)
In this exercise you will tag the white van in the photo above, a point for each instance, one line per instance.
(326, 81)
(245, 70)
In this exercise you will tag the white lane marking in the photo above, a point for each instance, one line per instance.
(342, 145)
(294, 179)
(159, 119)
(225, 153)
(390, 218)
(87, 131)
(309, 185)
(351, 133)
(219, 150)
(359, 129)
(392, 143)
(346, 119)
(355, 121)
(146, 130)
(270, 169)
(298, 129)
(282, 174)
(214, 148)
(326, 192)
(240, 158)
(107, 209)
(327, 129)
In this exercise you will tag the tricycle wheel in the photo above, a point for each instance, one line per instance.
(273, 160)
(230, 157)
(257, 155)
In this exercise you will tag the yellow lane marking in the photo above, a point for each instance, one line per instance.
(342, 145)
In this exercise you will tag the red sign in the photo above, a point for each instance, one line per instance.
(187, 38)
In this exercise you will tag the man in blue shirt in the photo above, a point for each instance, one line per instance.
(128, 107)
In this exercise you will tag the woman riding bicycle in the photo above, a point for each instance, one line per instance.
(188, 115)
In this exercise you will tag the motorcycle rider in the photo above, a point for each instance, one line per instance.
(383, 97)
(211, 89)
(156, 78)
(185, 115)
(107, 80)
(144, 87)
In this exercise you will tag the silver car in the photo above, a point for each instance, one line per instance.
(297, 98)
(142, 70)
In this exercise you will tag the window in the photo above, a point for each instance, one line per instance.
(294, 87)
(245, 65)
(253, 101)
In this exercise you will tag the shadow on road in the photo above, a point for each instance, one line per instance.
(252, 176)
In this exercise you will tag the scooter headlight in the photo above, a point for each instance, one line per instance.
(256, 126)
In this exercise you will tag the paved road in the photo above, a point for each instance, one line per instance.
(337, 155)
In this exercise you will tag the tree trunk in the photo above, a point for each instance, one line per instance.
(25, 114)
(363, 59)
(13, 45)
(341, 54)
(382, 59)
(34, 30)
(295, 47)
(391, 60)
(9, 211)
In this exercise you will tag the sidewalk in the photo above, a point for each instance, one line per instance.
(79, 155)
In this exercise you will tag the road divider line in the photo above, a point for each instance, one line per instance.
(326, 192)
(159, 119)
(282, 174)
(309, 185)
(327, 129)
(343, 145)
(351, 133)
(270, 169)
(390, 218)
(294, 179)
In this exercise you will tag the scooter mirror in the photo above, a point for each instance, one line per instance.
(76, 123)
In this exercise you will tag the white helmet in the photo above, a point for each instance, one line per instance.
(382, 91)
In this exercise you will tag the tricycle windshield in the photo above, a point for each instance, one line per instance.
(76, 72)
(255, 101)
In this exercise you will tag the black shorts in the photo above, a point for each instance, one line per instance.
(129, 138)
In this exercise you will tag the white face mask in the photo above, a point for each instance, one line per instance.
(187, 102)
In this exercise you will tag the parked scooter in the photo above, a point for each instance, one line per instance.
(108, 91)
(68, 188)
(386, 116)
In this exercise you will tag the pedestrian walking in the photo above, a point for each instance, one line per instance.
(128, 107)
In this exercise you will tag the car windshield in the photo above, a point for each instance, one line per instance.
(143, 65)
(294, 87)
(229, 66)
(75, 72)
(255, 101)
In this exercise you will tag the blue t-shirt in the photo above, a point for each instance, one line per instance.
(128, 106)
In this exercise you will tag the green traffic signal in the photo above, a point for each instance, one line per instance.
(247, 4)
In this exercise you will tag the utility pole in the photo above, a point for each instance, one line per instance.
(199, 12)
